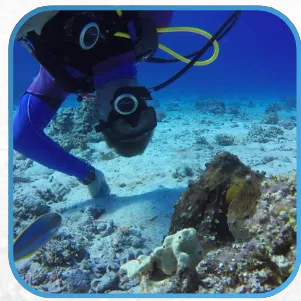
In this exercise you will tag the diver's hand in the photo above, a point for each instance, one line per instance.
(36, 23)
(99, 187)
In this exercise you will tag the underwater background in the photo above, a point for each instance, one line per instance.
(209, 207)
(258, 59)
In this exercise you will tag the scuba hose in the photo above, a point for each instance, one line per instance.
(35, 46)
(177, 56)
(225, 28)
(230, 25)
(219, 34)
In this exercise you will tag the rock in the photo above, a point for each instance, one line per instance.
(107, 282)
(218, 203)
(78, 281)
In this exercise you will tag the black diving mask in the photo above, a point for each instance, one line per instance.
(130, 117)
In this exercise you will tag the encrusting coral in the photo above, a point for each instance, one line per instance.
(261, 263)
(179, 251)
(218, 203)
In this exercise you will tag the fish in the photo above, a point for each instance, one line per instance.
(36, 235)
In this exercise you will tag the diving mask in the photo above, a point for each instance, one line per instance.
(130, 117)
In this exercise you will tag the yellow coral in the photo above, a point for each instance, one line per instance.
(241, 198)
(246, 190)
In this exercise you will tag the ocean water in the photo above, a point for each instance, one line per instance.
(257, 59)
(240, 107)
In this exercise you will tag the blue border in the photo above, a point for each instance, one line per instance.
(10, 154)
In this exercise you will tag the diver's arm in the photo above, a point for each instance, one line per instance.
(34, 114)
(31, 118)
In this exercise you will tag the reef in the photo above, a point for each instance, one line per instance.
(183, 172)
(270, 118)
(259, 251)
(288, 124)
(224, 139)
(73, 128)
(218, 203)
(273, 108)
(264, 262)
(213, 106)
(232, 231)
(264, 134)
(201, 140)
(234, 110)
(179, 255)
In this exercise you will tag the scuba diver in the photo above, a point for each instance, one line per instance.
(83, 52)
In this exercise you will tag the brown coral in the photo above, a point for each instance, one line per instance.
(220, 201)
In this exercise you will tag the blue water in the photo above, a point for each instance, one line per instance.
(257, 59)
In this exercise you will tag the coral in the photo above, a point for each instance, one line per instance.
(109, 281)
(270, 118)
(55, 194)
(183, 172)
(18, 179)
(264, 135)
(126, 238)
(267, 159)
(265, 261)
(273, 107)
(213, 106)
(242, 198)
(201, 140)
(105, 228)
(258, 265)
(20, 164)
(36, 274)
(60, 252)
(95, 212)
(108, 156)
(288, 124)
(179, 251)
(205, 204)
(78, 281)
(26, 209)
(224, 139)
(90, 227)
(73, 127)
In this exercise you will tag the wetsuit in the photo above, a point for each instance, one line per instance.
(34, 114)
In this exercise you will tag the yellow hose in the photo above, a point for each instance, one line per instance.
(192, 30)
(119, 13)
(173, 53)
(177, 55)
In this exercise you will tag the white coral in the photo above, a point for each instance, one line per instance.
(180, 250)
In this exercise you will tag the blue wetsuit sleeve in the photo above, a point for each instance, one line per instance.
(30, 120)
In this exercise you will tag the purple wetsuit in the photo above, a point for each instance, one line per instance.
(34, 114)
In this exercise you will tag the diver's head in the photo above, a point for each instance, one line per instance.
(126, 121)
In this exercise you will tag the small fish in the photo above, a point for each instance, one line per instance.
(36, 235)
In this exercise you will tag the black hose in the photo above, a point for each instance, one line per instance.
(188, 56)
(220, 33)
